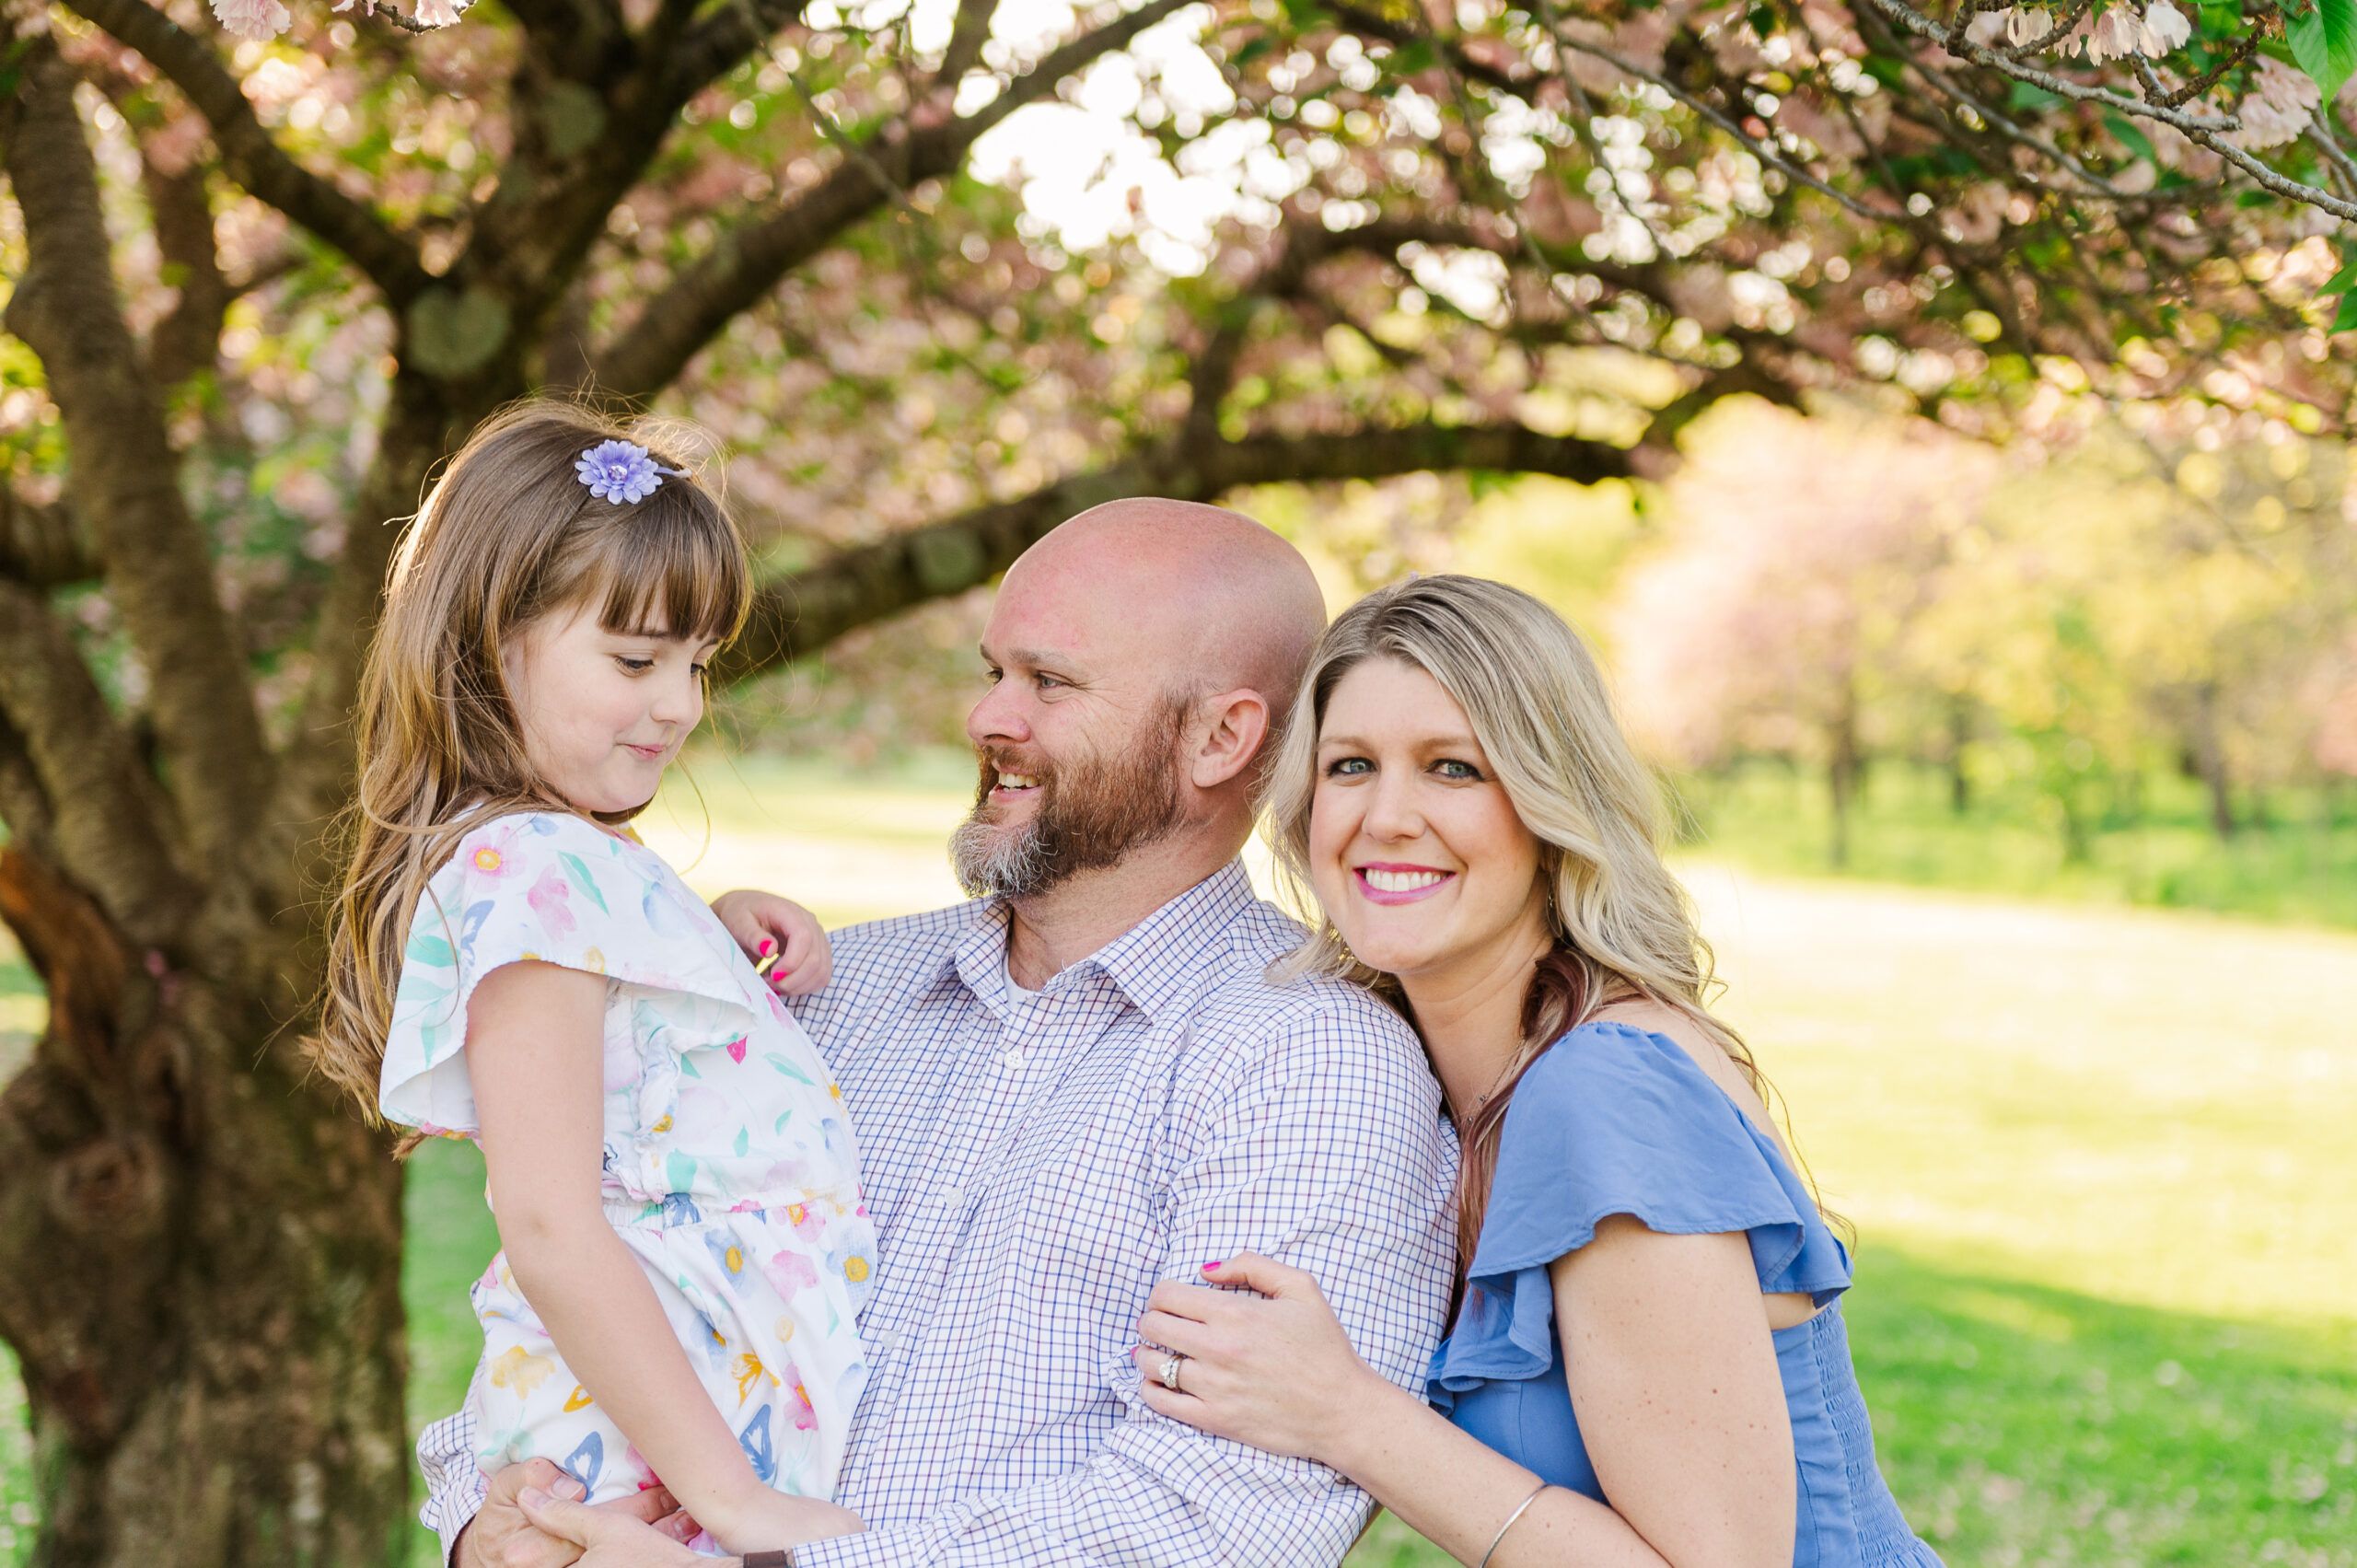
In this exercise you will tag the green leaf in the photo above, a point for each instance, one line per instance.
(2135, 140)
(2027, 96)
(2345, 319)
(2324, 40)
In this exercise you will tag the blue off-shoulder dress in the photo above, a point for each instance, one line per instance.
(1614, 1120)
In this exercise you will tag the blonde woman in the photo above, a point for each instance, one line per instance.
(1648, 1364)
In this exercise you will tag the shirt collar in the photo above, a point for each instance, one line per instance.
(1151, 961)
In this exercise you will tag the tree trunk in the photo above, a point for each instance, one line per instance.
(1844, 767)
(199, 1269)
(2209, 760)
(1959, 736)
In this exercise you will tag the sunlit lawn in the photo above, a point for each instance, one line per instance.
(2108, 1301)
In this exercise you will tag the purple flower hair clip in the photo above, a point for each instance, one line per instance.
(622, 470)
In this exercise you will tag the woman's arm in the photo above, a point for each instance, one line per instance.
(1277, 1371)
(1675, 1382)
(535, 1054)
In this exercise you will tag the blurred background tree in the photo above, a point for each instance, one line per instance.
(935, 276)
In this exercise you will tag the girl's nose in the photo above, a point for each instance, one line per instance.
(679, 702)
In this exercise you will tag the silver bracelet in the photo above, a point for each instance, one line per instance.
(1520, 1509)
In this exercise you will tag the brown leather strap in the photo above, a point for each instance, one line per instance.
(768, 1559)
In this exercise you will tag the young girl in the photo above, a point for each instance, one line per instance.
(674, 1178)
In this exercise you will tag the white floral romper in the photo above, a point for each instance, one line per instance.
(729, 1167)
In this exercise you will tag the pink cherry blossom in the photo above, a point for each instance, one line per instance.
(252, 18)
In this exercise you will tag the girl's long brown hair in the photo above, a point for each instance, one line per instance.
(1623, 925)
(508, 536)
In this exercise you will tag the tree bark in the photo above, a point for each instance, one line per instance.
(1843, 768)
(2210, 761)
(199, 1270)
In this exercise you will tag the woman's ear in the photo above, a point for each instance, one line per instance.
(1235, 725)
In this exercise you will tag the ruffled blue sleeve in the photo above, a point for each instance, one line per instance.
(1614, 1120)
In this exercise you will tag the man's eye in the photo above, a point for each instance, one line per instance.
(994, 676)
(1349, 767)
(1045, 681)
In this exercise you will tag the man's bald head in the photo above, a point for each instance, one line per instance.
(1210, 595)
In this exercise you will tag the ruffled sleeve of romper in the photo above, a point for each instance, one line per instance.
(551, 888)
(1614, 1120)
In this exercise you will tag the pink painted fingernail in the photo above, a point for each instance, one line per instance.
(766, 946)
(1215, 1268)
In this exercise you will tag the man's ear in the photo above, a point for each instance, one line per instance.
(1233, 726)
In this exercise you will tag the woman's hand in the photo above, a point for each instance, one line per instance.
(763, 925)
(1275, 1369)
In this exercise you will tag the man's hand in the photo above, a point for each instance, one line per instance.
(767, 925)
(504, 1536)
(607, 1536)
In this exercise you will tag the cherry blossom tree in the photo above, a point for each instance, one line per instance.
(934, 275)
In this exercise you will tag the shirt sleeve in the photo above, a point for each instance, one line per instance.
(455, 1487)
(1325, 1152)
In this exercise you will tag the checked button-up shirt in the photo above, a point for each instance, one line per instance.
(1035, 1165)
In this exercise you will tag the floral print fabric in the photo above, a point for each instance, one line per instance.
(729, 1173)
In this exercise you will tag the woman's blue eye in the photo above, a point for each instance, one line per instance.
(1349, 767)
(1449, 768)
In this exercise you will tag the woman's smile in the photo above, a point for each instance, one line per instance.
(1382, 882)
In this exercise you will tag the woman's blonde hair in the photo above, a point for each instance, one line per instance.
(1623, 925)
(509, 535)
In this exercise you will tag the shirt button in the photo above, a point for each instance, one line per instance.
(1013, 1060)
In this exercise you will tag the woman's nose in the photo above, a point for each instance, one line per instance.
(1392, 814)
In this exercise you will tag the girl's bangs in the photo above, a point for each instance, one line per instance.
(677, 568)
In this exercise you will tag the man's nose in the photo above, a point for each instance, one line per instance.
(999, 716)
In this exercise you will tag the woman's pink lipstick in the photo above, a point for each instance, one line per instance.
(1376, 895)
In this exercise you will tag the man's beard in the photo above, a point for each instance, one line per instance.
(1091, 814)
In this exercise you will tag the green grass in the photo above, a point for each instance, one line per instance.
(2024, 1426)
(2107, 1305)
(2302, 866)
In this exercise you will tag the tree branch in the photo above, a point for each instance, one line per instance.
(43, 547)
(860, 586)
(249, 156)
(189, 339)
(124, 479)
(750, 260)
(103, 823)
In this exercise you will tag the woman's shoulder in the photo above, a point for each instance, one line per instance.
(1657, 1048)
(1617, 1119)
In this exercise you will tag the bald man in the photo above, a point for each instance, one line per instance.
(1080, 1084)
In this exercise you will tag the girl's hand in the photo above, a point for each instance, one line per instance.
(767, 1520)
(765, 924)
(1274, 1370)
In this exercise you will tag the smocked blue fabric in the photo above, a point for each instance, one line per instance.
(1614, 1120)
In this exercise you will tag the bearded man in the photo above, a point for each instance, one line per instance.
(1080, 1085)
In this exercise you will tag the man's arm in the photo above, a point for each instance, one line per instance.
(1326, 1152)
